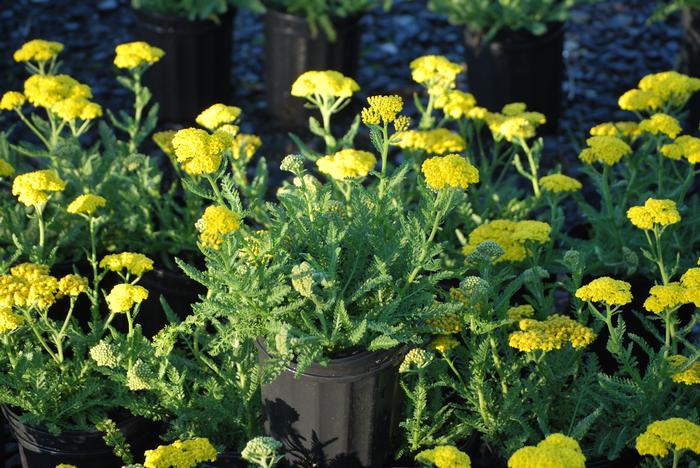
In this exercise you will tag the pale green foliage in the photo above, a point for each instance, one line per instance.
(195, 9)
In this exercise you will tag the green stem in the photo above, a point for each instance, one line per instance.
(34, 129)
(37, 335)
(385, 157)
(426, 119)
(497, 365)
(39, 211)
(607, 202)
(431, 237)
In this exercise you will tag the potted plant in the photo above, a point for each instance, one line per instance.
(197, 38)
(332, 289)
(303, 36)
(513, 51)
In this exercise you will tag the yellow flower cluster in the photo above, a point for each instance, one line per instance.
(135, 54)
(12, 100)
(198, 151)
(38, 50)
(32, 188)
(77, 108)
(448, 323)
(443, 343)
(449, 171)
(455, 104)
(215, 223)
(661, 437)
(689, 376)
(666, 296)
(660, 89)
(555, 451)
(549, 334)
(608, 150)
(661, 124)
(606, 290)
(72, 285)
(86, 204)
(417, 358)
(512, 236)
(382, 109)
(326, 83)
(124, 296)
(180, 454)
(28, 285)
(653, 212)
(9, 320)
(435, 72)
(347, 164)
(217, 115)
(514, 121)
(560, 183)
(520, 312)
(444, 456)
(684, 146)
(134, 263)
(436, 141)
(617, 129)
(46, 91)
(6, 169)
(244, 146)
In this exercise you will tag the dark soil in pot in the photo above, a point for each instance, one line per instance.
(226, 460)
(41, 449)
(291, 49)
(517, 66)
(341, 415)
(196, 69)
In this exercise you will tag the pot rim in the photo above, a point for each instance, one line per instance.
(292, 23)
(360, 365)
(162, 21)
(513, 37)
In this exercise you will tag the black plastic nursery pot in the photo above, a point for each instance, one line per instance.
(178, 290)
(196, 69)
(690, 60)
(342, 415)
(226, 460)
(292, 49)
(38, 448)
(518, 66)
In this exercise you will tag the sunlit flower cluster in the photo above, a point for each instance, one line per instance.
(684, 146)
(134, 263)
(654, 212)
(674, 434)
(135, 54)
(437, 141)
(382, 109)
(550, 334)
(606, 290)
(37, 50)
(435, 72)
(217, 115)
(347, 164)
(326, 83)
(560, 183)
(124, 296)
(452, 171)
(658, 90)
(34, 188)
(512, 236)
(198, 151)
(444, 456)
(608, 150)
(180, 454)
(555, 451)
(215, 223)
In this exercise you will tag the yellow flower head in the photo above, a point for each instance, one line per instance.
(28, 285)
(555, 451)
(477, 114)
(689, 376)
(616, 129)
(443, 343)
(347, 164)
(661, 124)
(164, 140)
(72, 285)
(198, 151)
(514, 128)
(691, 278)
(47, 90)
(76, 108)
(448, 323)
(382, 109)
(326, 83)
(638, 100)
(12, 100)
(29, 271)
(669, 434)
(684, 146)
(455, 104)
(552, 333)
(604, 149)
(435, 72)
(449, 171)
(653, 212)
(124, 296)
(217, 115)
(135, 54)
(180, 454)
(244, 146)
(37, 50)
(671, 87)
(512, 236)
(606, 290)
(560, 183)
(9, 320)
(437, 141)
(444, 456)
(215, 223)
(134, 263)
(6, 169)
(401, 123)
(86, 204)
(31, 188)
(520, 312)
(666, 296)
